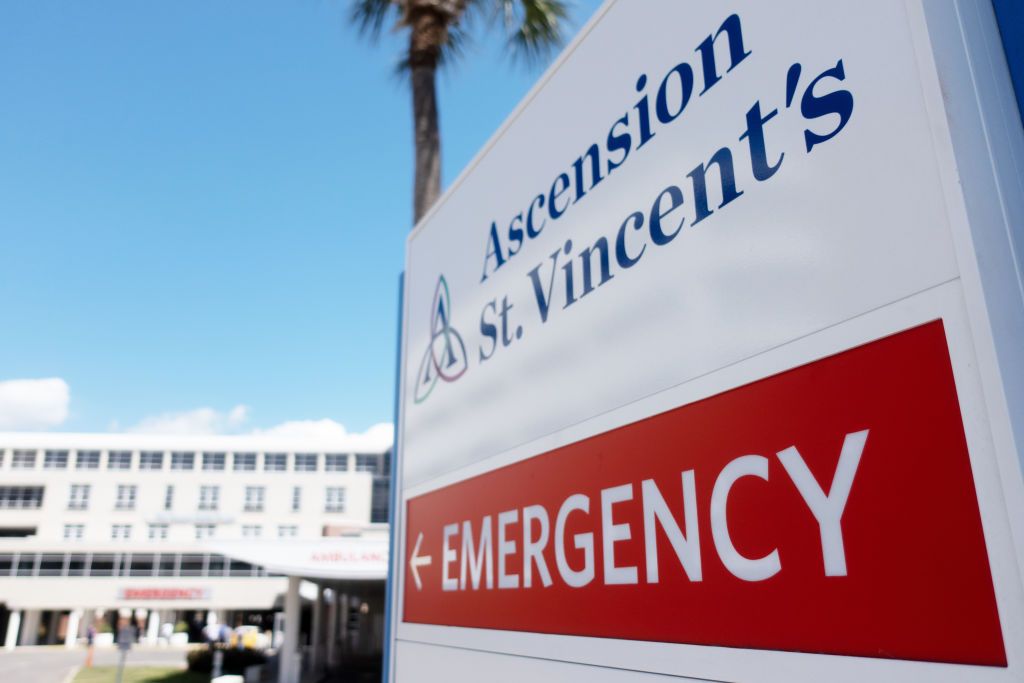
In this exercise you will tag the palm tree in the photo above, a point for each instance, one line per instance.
(436, 33)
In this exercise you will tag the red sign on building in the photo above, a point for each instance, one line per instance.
(827, 509)
(165, 593)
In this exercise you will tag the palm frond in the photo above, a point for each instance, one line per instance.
(455, 46)
(534, 26)
(369, 16)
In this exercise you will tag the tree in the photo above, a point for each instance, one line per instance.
(437, 33)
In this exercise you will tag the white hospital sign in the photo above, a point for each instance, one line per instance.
(713, 360)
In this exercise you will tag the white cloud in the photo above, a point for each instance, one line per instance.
(325, 429)
(206, 421)
(33, 403)
(199, 421)
(377, 437)
(238, 415)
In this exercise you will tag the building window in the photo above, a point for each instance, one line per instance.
(168, 497)
(158, 532)
(380, 497)
(74, 532)
(24, 460)
(251, 531)
(78, 499)
(296, 498)
(151, 460)
(126, 497)
(87, 460)
(20, 497)
(55, 460)
(183, 461)
(213, 461)
(275, 462)
(335, 499)
(305, 462)
(209, 497)
(336, 462)
(254, 496)
(205, 531)
(366, 462)
(120, 532)
(287, 531)
(122, 564)
(245, 462)
(119, 460)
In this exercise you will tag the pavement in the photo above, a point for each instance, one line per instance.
(56, 664)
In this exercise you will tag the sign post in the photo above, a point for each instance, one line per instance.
(713, 360)
(218, 664)
(125, 638)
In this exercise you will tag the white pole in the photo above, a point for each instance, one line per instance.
(153, 627)
(292, 624)
(332, 629)
(317, 635)
(30, 627)
(120, 665)
(71, 631)
(13, 624)
(278, 635)
(218, 664)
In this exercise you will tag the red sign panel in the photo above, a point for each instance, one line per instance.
(827, 509)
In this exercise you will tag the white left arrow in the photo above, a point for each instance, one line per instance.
(417, 561)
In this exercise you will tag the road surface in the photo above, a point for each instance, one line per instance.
(54, 664)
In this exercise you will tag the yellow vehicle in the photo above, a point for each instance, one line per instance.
(251, 638)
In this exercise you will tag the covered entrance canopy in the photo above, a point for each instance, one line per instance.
(357, 558)
(348, 574)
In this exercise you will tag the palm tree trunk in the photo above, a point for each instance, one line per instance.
(427, 35)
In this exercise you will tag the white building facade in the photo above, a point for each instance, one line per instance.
(165, 529)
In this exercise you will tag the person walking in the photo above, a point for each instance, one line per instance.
(90, 645)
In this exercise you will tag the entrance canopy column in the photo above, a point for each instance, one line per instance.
(30, 627)
(332, 628)
(290, 661)
(13, 625)
(153, 627)
(316, 637)
(71, 630)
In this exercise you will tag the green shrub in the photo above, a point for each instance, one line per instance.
(104, 627)
(236, 661)
(181, 627)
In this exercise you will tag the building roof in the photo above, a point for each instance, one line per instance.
(377, 439)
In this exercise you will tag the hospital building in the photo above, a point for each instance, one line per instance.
(287, 536)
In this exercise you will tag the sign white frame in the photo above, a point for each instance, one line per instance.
(977, 133)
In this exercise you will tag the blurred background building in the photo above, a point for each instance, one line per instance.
(183, 533)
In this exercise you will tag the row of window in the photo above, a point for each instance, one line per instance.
(159, 532)
(20, 497)
(125, 564)
(209, 498)
(31, 497)
(184, 461)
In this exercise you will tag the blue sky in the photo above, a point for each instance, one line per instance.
(203, 208)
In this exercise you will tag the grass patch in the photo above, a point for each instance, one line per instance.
(140, 674)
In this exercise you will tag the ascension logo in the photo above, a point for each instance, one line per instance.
(445, 357)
